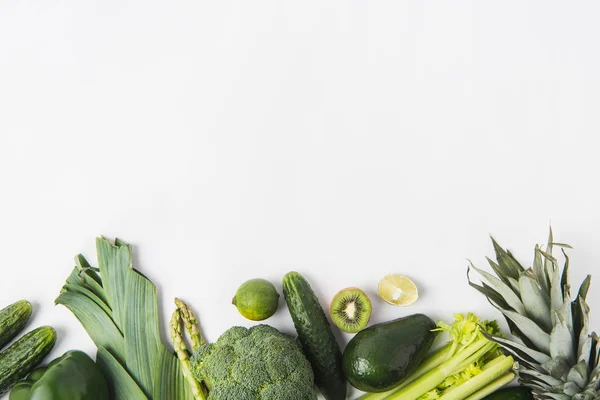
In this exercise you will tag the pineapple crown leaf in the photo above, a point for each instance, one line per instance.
(557, 354)
(585, 287)
(509, 266)
(505, 291)
(562, 245)
(519, 351)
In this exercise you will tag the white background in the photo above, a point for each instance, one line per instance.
(233, 140)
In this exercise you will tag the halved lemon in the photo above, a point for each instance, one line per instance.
(398, 290)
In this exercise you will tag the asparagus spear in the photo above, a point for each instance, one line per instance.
(183, 355)
(191, 323)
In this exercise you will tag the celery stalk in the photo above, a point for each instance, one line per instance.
(467, 356)
(489, 346)
(479, 381)
(430, 363)
(492, 387)
(494, 362)
(438, 374)
(437, 358)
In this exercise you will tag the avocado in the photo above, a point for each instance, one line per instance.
(378, 358)
(511, 393)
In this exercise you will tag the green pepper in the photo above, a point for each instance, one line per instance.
(74, 376)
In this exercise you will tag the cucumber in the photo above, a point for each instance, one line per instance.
(20, 358)
(511, 393)
(12, 320)
(315, 336)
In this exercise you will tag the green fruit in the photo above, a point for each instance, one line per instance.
(256, 299)
(378, 358)
(20, 358)
(12, 320)
(511, 393)
(350, 310)
(315, 336)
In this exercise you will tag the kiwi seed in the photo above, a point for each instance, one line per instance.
(350, 310)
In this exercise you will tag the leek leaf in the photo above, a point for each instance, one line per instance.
(122, 385)
(142, 337)
(95, 321)
(170, 382)
(114, 262)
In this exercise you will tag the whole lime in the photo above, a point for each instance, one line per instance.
(256, 299)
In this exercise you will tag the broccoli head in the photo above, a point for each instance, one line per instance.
(256, 363)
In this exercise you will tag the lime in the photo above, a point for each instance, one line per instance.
(398, 290)
(256, 299)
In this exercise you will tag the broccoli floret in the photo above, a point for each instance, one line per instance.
(259, 363)
(250, 373)
(232, 335)
(284, 391)
(231, 391)
(218, 365)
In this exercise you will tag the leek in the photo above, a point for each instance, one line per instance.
(118, 307)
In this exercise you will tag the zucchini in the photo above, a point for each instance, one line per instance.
(315, 336)
(20, 358)
(12, 320)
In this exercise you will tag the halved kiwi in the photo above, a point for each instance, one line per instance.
(350, 310)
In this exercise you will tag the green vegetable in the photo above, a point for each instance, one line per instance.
(315, 335)
(181, 348)
(20, 358)
(256, 299)
(493, 387)
(73, 376)
(172, 381)
(379, 357)
(255, 363)
(191, 324)
(13, 319)
(121, 384)
(118, 307)
(467, 367)
(511, 393)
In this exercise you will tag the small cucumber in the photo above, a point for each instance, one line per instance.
(315, 336)
(12, 320)
(511, 393)
(20, 358)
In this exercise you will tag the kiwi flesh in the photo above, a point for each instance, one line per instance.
(350, 310)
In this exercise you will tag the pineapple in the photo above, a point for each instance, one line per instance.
(557, 356)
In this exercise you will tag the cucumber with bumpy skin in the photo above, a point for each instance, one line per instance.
(315, 335)
(20, 358)
(12, 320)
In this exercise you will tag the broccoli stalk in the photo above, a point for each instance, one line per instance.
(183, 355)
